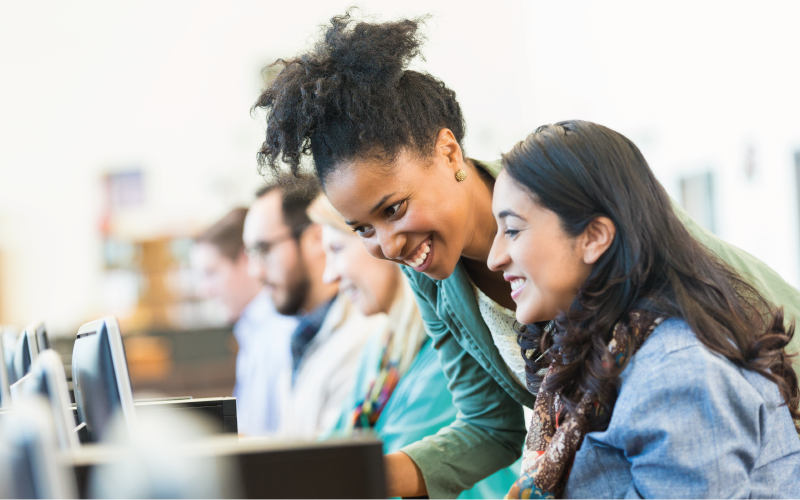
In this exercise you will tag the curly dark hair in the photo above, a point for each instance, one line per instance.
(351, 97)
(580, 171)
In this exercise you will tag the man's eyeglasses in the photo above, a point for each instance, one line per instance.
(262, 249)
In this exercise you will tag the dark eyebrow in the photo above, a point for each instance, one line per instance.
(509, 213)
(380, 203)
(374, 209)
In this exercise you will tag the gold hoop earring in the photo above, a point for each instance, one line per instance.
(461, 175)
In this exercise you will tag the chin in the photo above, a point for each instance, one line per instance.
(438, 272)
(525, 316)
(524, 320)
(366, 310)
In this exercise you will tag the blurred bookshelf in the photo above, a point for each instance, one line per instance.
(176, 343)
(150, 283)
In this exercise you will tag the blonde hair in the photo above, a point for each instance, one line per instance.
(322, 212)
(405, 323)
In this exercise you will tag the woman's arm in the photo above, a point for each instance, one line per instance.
(760, 275)
(403, 477)
(487, 435)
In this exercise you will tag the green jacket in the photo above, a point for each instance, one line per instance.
(490, 429)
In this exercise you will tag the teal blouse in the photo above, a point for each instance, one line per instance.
(489, 431)
(420, 405)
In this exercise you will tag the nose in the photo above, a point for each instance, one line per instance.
(391, 243)
(330, 274)
(498, 255)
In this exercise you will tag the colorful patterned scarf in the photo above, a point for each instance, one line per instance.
(404, 337)
(551, 445)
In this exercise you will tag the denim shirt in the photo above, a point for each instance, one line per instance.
(689, 424)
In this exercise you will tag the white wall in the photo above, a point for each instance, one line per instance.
(90, 87)
(693, 84)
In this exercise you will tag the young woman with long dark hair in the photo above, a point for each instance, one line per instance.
(667, 374)
(386, 143)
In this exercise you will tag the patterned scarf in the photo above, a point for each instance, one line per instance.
(404, 337)
(551, 445)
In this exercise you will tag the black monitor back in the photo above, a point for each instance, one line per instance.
(30, 343)
(97, 393)
(22, 356)
(47, 379)
(5, 377)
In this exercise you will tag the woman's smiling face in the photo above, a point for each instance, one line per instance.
(544, 264)
(413, 212)
(371, 284)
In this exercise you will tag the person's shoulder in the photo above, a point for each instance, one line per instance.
(673, 343)
(670, 336)
(492, 167)
(673, 355)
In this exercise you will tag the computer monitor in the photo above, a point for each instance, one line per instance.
(30, 343)
(100, 377)
(48, 379)
(25, 353)
(5, 395)
(39, 331)
(9, 339)
(29, 455)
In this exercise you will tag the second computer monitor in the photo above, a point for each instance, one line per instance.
(48, 379)
(5, 395)
(30, 343)
(100, 377)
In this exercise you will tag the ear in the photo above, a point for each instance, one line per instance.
(311, 240)
(447, 148)
(596, 238)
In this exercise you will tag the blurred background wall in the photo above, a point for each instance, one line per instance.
(125, 126)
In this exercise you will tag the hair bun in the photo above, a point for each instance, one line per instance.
(371, 54)
(349, 96)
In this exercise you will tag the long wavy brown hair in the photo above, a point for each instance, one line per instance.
(581, 170)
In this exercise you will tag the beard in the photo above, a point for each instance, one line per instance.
(295, 294)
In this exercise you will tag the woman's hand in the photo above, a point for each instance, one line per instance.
(403, 477)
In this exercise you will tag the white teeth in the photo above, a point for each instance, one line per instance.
(517, 283)
(424, 251)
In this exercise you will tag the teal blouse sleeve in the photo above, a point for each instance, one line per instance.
(489, 430)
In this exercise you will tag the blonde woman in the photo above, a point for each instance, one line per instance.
(400, 392)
